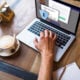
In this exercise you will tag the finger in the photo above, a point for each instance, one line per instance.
(36, 42)
(41, 34)
(50, 34)
(54, 37)
(46, 33)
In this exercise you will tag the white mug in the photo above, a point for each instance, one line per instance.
(8, 43)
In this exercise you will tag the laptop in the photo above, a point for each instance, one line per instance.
(56, 16)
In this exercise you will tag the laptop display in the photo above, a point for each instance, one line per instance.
(59, 14)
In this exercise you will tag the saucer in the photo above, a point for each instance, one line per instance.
(8, 53)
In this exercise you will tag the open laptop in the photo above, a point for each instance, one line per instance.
(56, 16)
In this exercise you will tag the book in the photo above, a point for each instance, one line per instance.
(69, 72)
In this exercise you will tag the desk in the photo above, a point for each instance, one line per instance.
(26, 58)
(73, 2)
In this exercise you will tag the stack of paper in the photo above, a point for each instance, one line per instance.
(72, 72)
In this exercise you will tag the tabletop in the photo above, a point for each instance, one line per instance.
(73, 2)
(27, 58)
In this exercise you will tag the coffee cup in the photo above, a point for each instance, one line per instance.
(8, 44)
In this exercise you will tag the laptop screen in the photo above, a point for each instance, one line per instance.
(59, 14)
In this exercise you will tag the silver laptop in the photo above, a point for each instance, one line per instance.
(56, 16)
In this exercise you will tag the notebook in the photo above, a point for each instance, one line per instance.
(72, 72)
(57, 17)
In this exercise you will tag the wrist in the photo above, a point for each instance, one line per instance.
(47, 60)
(47, 57)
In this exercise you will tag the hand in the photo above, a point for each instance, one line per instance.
(46, 44)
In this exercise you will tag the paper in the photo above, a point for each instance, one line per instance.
(64, 10)
(53, 14)
(72, 72)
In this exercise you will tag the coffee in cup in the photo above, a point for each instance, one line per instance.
(8, 43)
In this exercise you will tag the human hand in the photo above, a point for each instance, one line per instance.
(46, 44)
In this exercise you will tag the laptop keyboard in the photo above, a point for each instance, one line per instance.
(62, 38)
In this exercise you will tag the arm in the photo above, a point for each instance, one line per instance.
(46, 69)
(46, 46)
